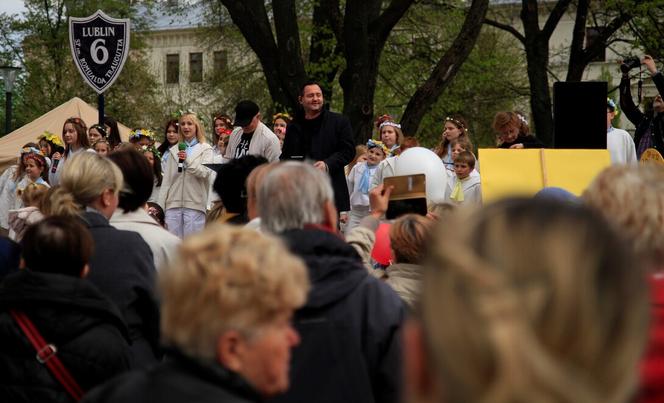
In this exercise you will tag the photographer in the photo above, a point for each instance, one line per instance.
(649, 126)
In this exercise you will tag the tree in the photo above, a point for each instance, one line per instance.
(39, 42)
(488, 81)
(359, 34)
(446, 68)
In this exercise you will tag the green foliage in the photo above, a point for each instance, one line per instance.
(490, 80)
(39, 41)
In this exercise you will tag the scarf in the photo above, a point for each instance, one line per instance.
(366, 178)
(457, 192)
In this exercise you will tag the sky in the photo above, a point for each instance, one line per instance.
(11, 6)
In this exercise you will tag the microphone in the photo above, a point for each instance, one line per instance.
(181, 147)
(54, 165)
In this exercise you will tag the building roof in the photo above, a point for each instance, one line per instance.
(163, 17)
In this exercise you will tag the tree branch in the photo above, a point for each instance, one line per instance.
(507, 28)
(381, 27)
(554, 17)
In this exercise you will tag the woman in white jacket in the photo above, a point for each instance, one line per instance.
(185, 186)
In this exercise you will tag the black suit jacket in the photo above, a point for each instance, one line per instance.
(333, 144)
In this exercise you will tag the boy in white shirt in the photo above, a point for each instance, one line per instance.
(464, 188)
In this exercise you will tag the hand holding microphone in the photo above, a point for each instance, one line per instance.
(182, 155)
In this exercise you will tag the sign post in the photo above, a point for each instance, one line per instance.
(99, 45)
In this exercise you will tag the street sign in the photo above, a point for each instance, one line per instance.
(99, 45)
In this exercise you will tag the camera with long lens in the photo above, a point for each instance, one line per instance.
(630, 63)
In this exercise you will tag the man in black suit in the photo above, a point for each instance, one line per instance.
(324, 137)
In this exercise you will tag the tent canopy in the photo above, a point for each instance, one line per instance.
(51, 121)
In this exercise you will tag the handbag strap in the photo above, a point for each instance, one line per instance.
(46, 354)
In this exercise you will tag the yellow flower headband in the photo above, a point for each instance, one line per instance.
(51, 138)
(282, 115)
(138, 133)
(377, 143)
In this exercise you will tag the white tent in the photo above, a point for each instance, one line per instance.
(51, 121)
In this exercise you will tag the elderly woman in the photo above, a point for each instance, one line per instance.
(226, 309)
(541, 301)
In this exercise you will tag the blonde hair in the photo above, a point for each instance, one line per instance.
(632, 198)
(84, 178)
(34, 194)
(200, 131)
(536, 323)
(227, 278)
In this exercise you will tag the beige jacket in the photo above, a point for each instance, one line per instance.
(189, 188)
(406, 280)
(263, 142)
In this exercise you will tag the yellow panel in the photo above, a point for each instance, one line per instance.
(573, 170)
(509, 173)
(524, 172)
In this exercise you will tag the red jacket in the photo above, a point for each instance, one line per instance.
(652, 365)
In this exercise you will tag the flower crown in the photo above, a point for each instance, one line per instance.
(282, 115)
(457, 123)
(389, 123)
(33, 155)
(225, 119)
(380, 119)
(151, 149)
(377, 143)
(138, 133)
(51, 138)
(522, 118)
(178, 114)
(610, 103)
(30, 150)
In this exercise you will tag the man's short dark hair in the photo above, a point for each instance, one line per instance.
(308, 83)
(138, 178)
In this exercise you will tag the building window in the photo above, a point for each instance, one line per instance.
(592, 36)
(220, 62)
(172, 69)
(195, 67)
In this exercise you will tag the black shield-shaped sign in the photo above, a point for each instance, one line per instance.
(100, 45)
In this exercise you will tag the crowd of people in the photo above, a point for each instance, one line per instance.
(263, 266)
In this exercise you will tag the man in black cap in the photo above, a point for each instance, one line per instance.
(252, 137)
(324, 137)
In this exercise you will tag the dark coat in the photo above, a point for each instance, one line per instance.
(333, 144)
(639, 119)
(527, 141)
(178, 379)
(349, 328)
(123, 269)
(86, 328)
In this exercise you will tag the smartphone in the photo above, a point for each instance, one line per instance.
(408, 195)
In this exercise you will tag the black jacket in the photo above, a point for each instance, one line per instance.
(349, 327)
(123, 269)
(639, 119)
(333, 144)
(178, 379)
(528, 141)
(90, 336)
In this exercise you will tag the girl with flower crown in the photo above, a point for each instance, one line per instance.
(49, 144)
(141, 137)
(75, 138)
(359, 182)
(185, 186)
(514, 132)
(391, 135)
(9, 183)
(280, 122)
(454, 127)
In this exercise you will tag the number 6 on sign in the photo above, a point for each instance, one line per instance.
(94, 51)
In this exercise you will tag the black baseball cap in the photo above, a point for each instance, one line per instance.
(244, 112)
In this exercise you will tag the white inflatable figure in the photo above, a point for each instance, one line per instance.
(420, 160)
